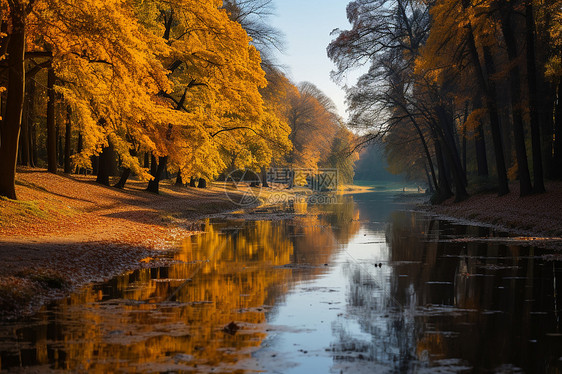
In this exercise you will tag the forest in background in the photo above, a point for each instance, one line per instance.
(462, 91)
(153, 88)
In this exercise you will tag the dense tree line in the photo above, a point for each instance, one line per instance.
(150, 87)
(463, 89)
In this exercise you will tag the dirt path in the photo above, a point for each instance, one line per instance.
(64, 232)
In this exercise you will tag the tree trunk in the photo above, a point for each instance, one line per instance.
(488, 89)
(67, 139)
(431, 189)
(464, 164)
(447, 124)
(202, 183)
(179, 180)
(546, 115)
(557, 147)
(515, 94)
(146, 160)
(124, 176)
(153, 165)
(193, 182)
(126, 172)
(449, 151)
(95, 160)
(154, 184)
(104, 165)
(264, 182)
(443, 188)
(424, 144)
(10, 129)
(79, 148)
(51, 125)
(32, 133)
(480, 144)
(538, 173)
(24, 136)
(495, 126)
(60, 151)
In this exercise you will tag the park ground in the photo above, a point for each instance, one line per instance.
(538, 215)
(66, 231)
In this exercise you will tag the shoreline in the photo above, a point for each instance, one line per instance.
(537, 219)
(68, 231)
(65, 232)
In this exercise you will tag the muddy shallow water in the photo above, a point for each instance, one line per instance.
(361, 286)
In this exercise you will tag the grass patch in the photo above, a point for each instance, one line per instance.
(11, 210)
(14, 212)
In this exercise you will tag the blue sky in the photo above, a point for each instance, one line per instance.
(307, 25)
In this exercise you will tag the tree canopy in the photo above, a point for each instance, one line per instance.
(153, 86)
(454, 81)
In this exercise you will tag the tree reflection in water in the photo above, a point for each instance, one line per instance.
(456, 305)
(353, 293)
(174, 318)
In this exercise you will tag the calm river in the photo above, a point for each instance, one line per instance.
(361, 286)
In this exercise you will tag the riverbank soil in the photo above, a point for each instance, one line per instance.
(536, 215)
(65, 231)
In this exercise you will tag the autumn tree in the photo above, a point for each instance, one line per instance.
(343, 155)
(388, 36)
(314, 123)
(13, 52)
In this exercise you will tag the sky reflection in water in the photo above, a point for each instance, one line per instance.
(308, 295)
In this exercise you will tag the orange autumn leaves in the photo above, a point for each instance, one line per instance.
(164, 76)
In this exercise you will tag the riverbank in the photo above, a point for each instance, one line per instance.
(66, 231)
(536, 216)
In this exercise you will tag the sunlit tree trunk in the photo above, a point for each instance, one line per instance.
(25, 150)
(51, 125)
(67, 141)
(10, 129)
(30, 88)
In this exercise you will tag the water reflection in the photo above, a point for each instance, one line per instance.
(456, 306)
(179, 317)
(351, 287)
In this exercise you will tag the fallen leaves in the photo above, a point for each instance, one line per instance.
(87, 233)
